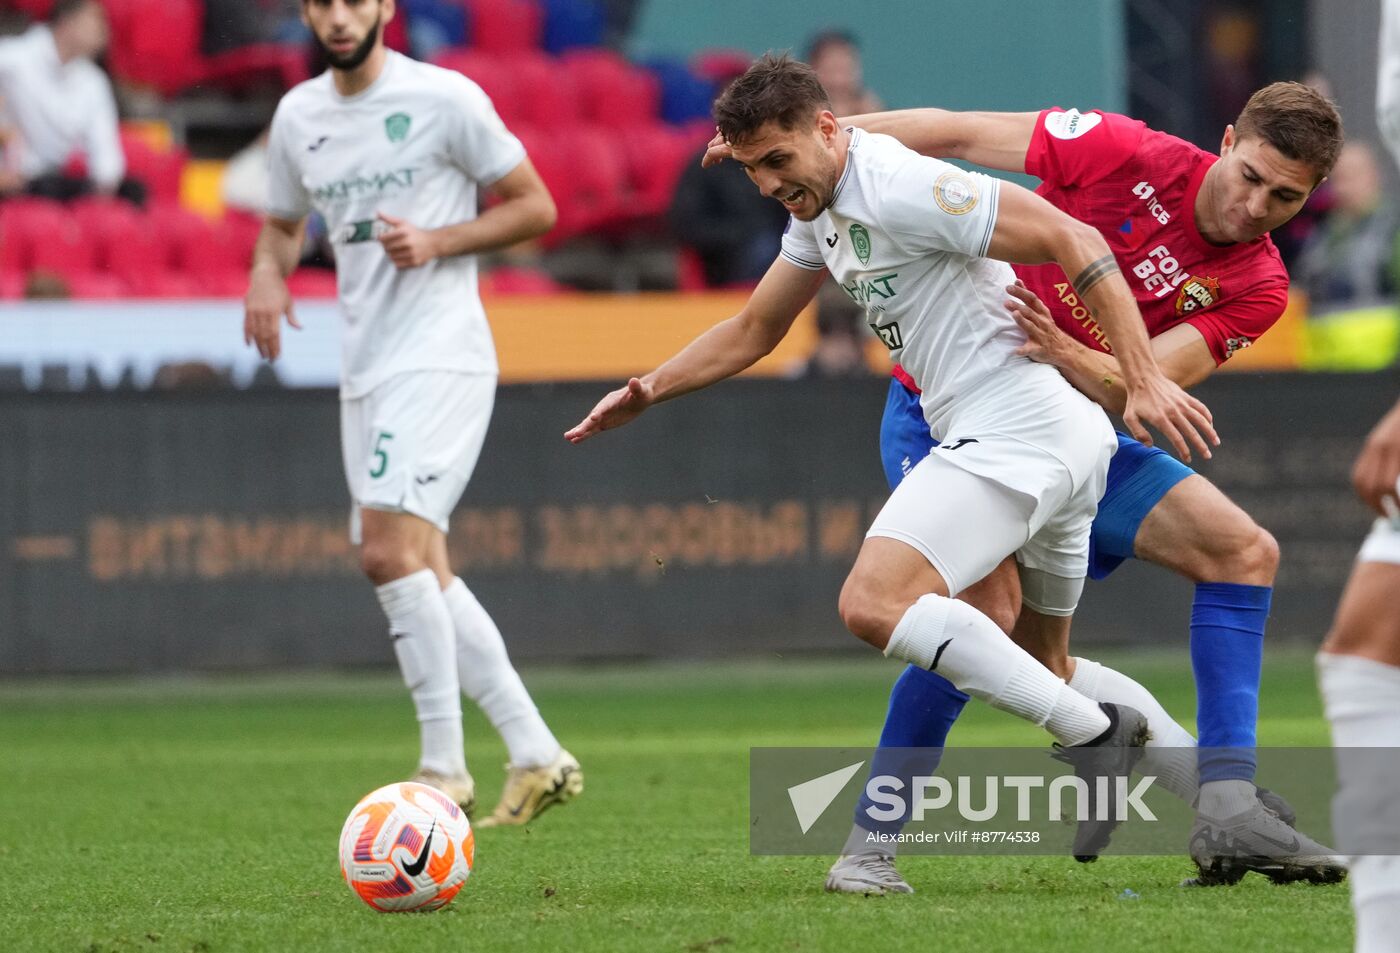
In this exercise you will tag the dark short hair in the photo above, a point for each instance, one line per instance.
(63, 9)
(825, 40)
(776, 88)
(1298, 121)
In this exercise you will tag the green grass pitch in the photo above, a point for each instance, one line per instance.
(203, 816)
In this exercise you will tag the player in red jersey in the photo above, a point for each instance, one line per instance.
(1189, 229)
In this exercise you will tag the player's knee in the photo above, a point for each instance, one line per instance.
(1238, 551)
(865, 612)
(998, 606)
(383, 563)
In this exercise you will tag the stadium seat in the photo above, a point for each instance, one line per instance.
(94, 285)
(160, 171)
(11, 285)
(65, 248)
(275, 66)
(573, 23)
(612, 92)
(597, 179)
(34, 9)
(23, 222)
(487, 72)
(312, 283)
(547, 93)
(684, 95)
(155, 43)
(506, 26)
(434, 25)
(655, 156)
(719, 65)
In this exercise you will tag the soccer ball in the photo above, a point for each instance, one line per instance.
(406, 846)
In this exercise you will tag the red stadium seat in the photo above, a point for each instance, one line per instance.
(65, 249)
(506, 26)
(155, 43)
(312, 283)
(23, 222)
(549, 96)
(611, 91)
(278, 66)
(487, 71)
(11, 285)
(597, 179)
(160, 171)
(94, 285)
(656, 155)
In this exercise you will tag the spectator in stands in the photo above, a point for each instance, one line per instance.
(1350, 269)
(840, 347)
(734, 229)
(836, 58)
(61, 102)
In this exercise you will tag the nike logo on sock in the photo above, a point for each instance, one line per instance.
(939, 654)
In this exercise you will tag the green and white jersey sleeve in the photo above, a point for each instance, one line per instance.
(415, 145)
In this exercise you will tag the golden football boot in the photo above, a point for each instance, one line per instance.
(529, 792)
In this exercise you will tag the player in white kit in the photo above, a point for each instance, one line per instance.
(1359, 664)
(1023, 455)
(391, 152)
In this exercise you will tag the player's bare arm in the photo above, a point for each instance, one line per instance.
(1181, 352)
(275, 257)
(1376, 475)
(723, 351)
(1030, 230)
(993, 140)
(524, 210)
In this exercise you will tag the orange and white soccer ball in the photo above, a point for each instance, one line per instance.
(406, 846)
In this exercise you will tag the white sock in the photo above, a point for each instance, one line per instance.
(422, 633)
(1171, 753)
(1362, 700)
(491, 681)
(970, 651)
(1375, 896)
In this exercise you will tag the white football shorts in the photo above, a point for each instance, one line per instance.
(1020, 469)
(1382, 543)
(410, 445)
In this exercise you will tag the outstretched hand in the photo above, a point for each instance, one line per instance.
(617, 408)
(1158, 401)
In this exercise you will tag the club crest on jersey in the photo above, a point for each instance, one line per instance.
(860, 241)
(1197, 294)
(955, 193)
(396, 126)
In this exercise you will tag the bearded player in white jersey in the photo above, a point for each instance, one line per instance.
(391, 152)
(1023, 456)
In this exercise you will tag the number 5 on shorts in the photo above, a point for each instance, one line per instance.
(381, 455)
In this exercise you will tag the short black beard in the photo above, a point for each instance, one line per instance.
(353, 59)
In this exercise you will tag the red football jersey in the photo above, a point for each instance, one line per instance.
(1138, 187)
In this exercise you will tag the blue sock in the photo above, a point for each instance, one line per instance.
(1227, 648)
(923, 707)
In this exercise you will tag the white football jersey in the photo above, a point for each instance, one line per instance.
(414, 145)
(905, 237)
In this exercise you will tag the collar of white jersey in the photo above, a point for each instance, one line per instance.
(846, 172)
(390, 62)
